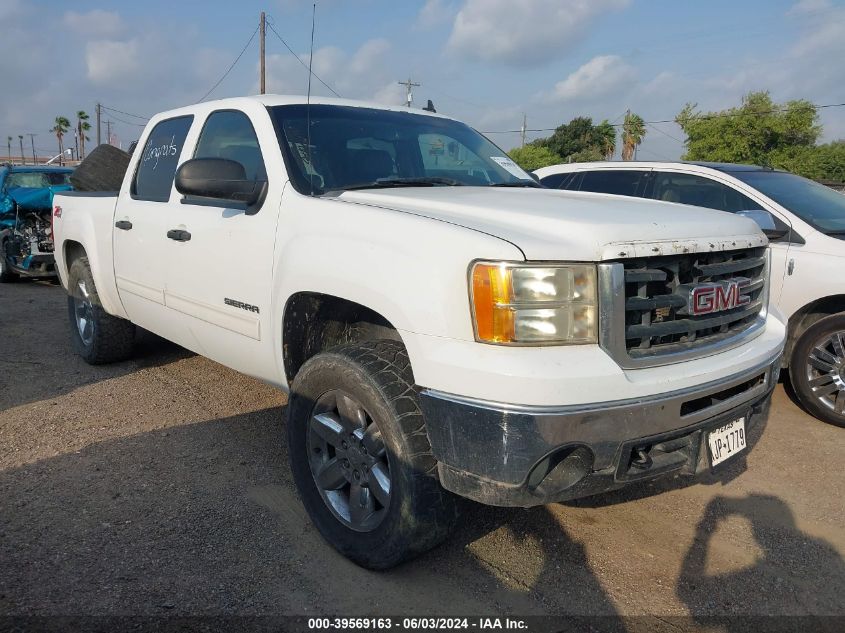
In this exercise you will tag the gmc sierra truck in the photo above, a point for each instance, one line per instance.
(443, 324)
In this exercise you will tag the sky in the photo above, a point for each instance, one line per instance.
(486, 62)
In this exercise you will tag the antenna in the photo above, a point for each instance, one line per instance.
(308, 100)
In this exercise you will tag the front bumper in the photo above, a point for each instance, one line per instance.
(506, 455)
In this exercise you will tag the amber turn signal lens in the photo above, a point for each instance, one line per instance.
(491, 291)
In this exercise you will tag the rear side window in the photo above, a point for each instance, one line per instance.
(554, 181)
(621, 182)
(157, 167)
(700, 192)
(229, 134)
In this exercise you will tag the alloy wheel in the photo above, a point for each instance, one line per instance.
(84, 312)
(348, 461)
(826, 371)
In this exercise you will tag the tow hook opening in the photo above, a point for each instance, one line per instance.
(641, 460)
(560, 471)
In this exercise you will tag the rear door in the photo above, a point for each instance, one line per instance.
(140, 227)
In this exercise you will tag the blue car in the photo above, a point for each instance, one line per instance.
(26, 207)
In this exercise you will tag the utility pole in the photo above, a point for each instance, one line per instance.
(23, 158)
(108, 132)
(524, 126)
(32, 140)
(409, 96)
(98, 123)
(262, 32)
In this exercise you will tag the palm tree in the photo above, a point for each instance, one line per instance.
(633, 132)
(82, 126)
(60, 128)
(9, 146)
(23, 158)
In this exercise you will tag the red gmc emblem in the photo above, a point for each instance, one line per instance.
(718, 296)
(57, 211)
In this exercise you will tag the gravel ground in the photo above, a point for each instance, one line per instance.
(160, 486)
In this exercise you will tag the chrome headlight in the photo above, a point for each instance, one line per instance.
(534, 304)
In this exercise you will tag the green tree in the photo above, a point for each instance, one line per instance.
(60, 128)
(532, 157)
(580, 140)
(82, 126)
(633, 132)
(606, 135)
(758, 131)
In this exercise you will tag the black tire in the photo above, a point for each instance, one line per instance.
(110, 339)
(820, 388)
(102, 170)
(6, 275)
(420, 513)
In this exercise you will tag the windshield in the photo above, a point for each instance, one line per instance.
(359, 148)
(37, 179)
(819, 206)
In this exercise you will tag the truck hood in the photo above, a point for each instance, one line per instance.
(548, 224)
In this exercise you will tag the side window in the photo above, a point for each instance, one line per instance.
(229, 134)
(554, 181)
(157, 167)
(621, 182)
(700, 192)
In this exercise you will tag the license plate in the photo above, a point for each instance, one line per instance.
(726, 441)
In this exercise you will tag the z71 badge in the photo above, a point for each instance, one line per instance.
(241, 305)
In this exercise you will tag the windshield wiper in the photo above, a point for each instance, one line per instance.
(521, 183)
(386, 183)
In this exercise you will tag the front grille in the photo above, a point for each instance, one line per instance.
(657, 290)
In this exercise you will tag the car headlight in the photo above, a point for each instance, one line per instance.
(534, 304)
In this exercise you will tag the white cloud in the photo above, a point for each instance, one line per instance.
(433, 13)
(530, 33)
(111, 60)
(96, 23)
(599, 77)
(359, 75)
(804, 7)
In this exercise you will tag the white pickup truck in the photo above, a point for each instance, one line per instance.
(441, 322)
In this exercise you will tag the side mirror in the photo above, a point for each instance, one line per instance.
(220, 179)
(772, 228)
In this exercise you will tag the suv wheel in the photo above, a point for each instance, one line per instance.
(817, 369)
(360, 455)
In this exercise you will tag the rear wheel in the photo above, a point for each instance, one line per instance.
(97, 336)
(6, 274)
(360, 455)
(817, 369)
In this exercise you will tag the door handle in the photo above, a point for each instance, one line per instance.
(180, 235)
(123, 225)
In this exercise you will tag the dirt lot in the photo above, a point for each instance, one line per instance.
(160, 487)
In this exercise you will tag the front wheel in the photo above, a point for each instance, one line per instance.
(97, 336)
(360, 455)
(6, 274)
(817, 369)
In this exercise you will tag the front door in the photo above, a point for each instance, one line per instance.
(219, 279)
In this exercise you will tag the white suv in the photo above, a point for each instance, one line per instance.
(805, 223)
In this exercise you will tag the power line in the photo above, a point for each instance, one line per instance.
(700, 117)
(654, 127)
(117, 118)
(281, 39)
(237, 59)
(134, 116)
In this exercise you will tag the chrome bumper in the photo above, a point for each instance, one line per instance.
(510, 455)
